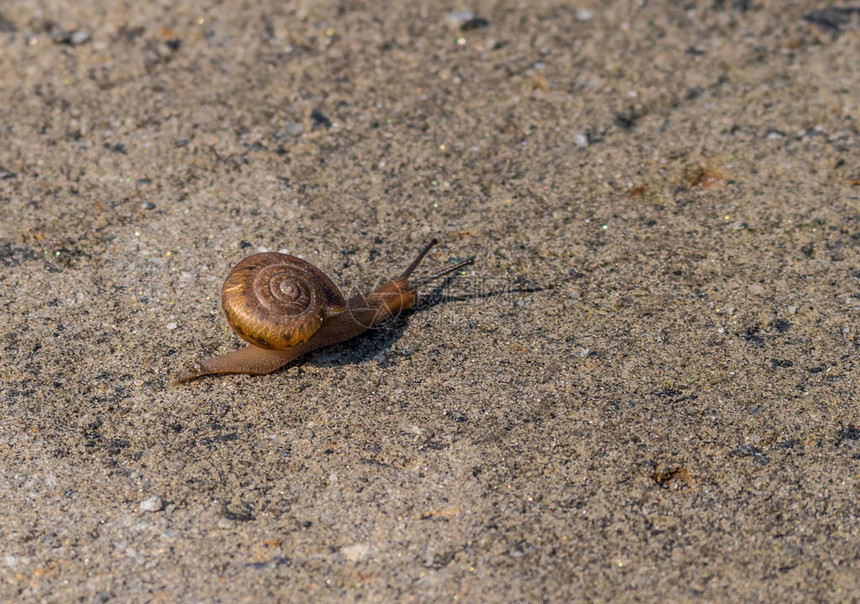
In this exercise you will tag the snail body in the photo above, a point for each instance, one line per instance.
(285, 307)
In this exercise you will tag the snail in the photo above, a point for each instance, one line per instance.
(285, 307)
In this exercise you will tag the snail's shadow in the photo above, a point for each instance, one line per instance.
(374, 342)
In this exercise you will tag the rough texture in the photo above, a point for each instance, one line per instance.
(646, 387)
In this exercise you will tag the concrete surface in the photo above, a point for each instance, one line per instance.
(645, 389)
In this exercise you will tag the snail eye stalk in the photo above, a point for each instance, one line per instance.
(441, 273)
(437, 275)
(411, 268)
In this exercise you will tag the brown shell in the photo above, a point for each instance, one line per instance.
(278, 301)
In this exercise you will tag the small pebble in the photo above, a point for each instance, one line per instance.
(293, 128)
(474, 23)
(171, 326)
(79, 37)
(456, 19)
(153, 504)
(355, 552)
(63, 36)
(580, 140)
(584, 15)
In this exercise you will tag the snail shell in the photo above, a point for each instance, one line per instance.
(277, 301)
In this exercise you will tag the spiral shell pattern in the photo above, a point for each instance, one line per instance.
(278, 301)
